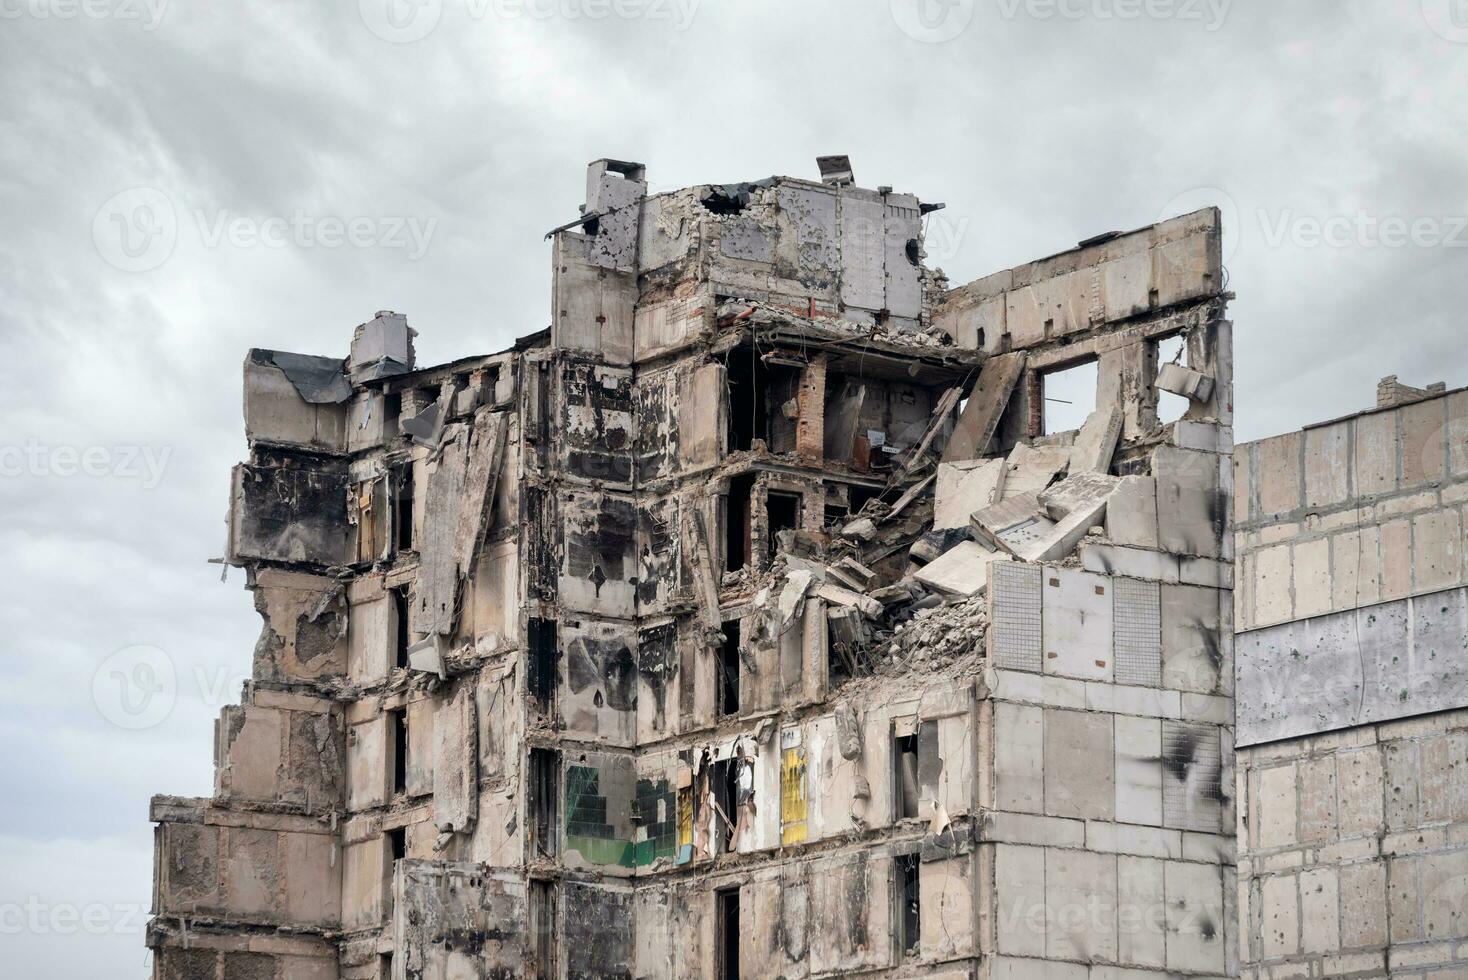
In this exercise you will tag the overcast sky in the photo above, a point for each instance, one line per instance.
(180, 182)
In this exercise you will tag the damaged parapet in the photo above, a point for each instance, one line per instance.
(746, 622)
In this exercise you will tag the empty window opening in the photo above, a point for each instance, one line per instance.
(543, 928)
(403, 508)
(905, 782)
(738, 522)
(398, 719)
(1070, 396)
(860, 496)
(384, 967)
(725, 785)
(541, 671)
(783, 512)
(397, 843)
(544, 782)
(846, 439)
(763, 401)
(729, 669)
(402, 640)
(392, 409)
(846, 655)
(1170, 407)
(909, 904)
(727, 928)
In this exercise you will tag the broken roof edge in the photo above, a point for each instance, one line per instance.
(1111, 246)
(777, 180)
(837, 331)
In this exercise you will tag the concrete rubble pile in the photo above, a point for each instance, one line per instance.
(746, 621)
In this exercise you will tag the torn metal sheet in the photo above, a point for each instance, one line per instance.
(320, 380)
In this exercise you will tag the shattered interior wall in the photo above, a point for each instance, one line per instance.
(1353, 731)
(745, 622)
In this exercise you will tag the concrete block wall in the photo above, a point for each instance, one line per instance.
(237, 865)
(1352, 778)
(1352, 852)
(1353, 512)
(1107, 747)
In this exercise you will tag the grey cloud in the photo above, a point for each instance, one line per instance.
(1036, 132)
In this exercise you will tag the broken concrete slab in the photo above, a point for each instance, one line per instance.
(979, 419)
(1012, 523)
(1193, 385)
(965, 487)
(1096, 442)
(1030, 469)
(961, 571)
(846, 597)
(1061, 540)
(1076, 491)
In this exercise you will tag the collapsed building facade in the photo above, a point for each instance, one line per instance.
(1353, 694)
(747, 622)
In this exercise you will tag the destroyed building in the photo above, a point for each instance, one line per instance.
(1353, 692)
(746, 622)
